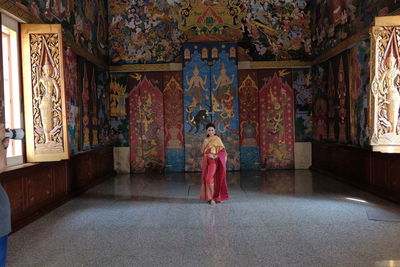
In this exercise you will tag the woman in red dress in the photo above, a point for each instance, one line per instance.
(213, 178)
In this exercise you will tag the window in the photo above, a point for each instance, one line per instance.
(12, 88)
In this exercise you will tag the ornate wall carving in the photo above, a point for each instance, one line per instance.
(385, 83)
(46, 127)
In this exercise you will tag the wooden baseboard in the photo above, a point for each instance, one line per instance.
(37, 189)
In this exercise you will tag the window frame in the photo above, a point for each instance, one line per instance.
(11, 24)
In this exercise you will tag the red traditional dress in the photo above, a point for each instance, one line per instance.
(213, 177)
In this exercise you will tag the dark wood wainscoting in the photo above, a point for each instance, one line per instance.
(378, 173)
(35, 189)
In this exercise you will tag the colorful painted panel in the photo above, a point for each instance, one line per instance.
(173, 122)
(71, 90)
(358, 91)
(249, 120)
(320, 105)
(82, 21)
(276, 119)
(337, 94)
(94, 126)
(225, 106)
(103, 106)
(335, 20)
(135, 131)
(342, 93)
(331, 95)
(146, 121)
(210, 86)
(302, 86)
(118, 110)
(197, 103)
(85, 74)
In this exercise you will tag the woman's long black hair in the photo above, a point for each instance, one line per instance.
(208, 126)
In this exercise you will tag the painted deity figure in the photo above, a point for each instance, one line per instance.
(389, 90)
(331, 105)
(355, 85)
(321, 110)
(85, 105)
(174, 134)
(223, 83)
(46, 91)
(342, 103)
(195, 84)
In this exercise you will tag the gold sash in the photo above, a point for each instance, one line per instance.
(213, 143)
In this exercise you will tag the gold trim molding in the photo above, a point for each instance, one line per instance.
(146, 67)
(242, 65)
(293, 64)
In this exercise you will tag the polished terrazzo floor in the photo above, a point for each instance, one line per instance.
(277, 218)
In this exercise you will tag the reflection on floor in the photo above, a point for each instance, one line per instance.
(276, 218)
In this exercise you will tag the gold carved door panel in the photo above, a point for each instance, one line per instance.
(44, 93)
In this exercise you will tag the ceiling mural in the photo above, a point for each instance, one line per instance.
(336, 20)
(142, 32)
(82, 21)
(277, 29)
(152, 31)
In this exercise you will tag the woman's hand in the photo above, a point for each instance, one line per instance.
(212, 156)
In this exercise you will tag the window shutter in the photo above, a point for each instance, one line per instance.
(44, 92)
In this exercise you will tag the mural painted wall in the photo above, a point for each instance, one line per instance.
(341, 87)
(85, 74)
(155, 116)
(210, 95)
(103, 106)
(359, 84)
(72, 99)
(276, 119)
(91, 99)
(82, 21)
(277, 30)
(249, 120)
(303, 90)
(168, 112)
(152, 31)
(197, 106)
(87, 101)
(336, 20)
(320, 105)
(142, 32)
